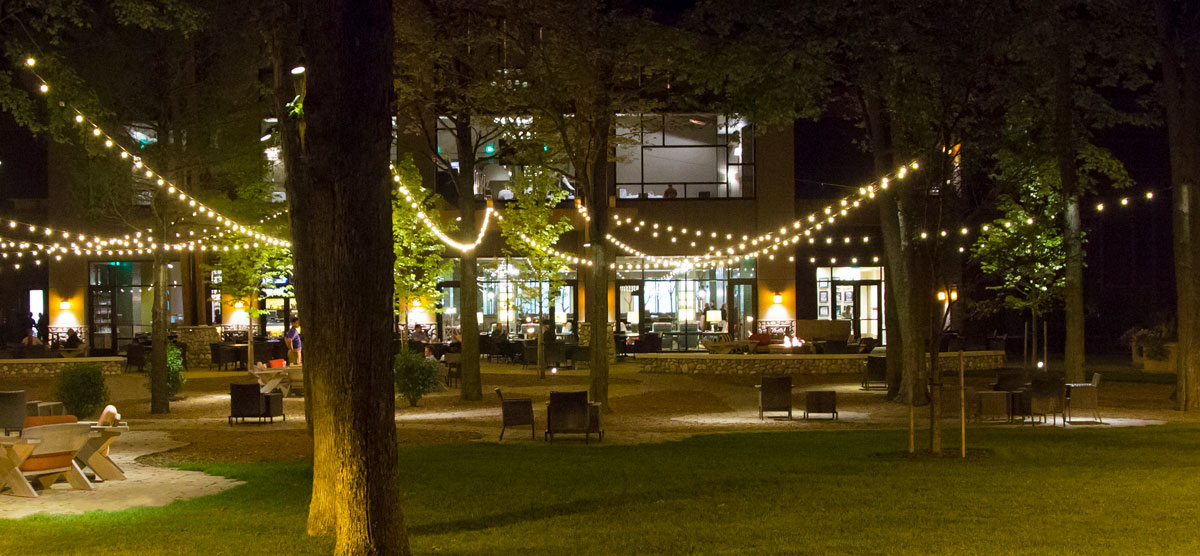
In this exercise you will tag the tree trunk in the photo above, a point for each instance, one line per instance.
(597, 191)
(160, 391)
(1066, 151)
(464, 179)
(341, 214)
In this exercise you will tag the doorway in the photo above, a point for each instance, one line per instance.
(861, 303)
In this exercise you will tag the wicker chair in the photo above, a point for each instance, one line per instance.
(775, 395)
(1083, 397)
(875, 375)
(1047, 397)
(12, 411)
(453, 363)
(516, 412)
(821, 401)
(135, 355)
(247, 402)
(572, 413)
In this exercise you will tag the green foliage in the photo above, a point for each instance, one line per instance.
(175, 378)
(1024, 250)
(419, 252)
(82, 390)
(529, 218)
(415, 376)
(1152, 341)
(244, 271)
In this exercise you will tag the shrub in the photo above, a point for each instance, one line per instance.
(82, 391)
(415, 376)
(175, 377)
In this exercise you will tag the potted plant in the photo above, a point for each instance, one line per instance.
(1153, 347)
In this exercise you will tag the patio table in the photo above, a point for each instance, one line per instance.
(94, 454)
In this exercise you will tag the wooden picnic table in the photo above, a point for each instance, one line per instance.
(13, 452)
(94, 453)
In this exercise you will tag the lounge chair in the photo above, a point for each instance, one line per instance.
(572, 413)
(56, 441)
(516, 412)
(775, 395)
(246, 401)
(820, 401)
(12, 411)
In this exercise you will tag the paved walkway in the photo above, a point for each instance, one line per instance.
(144, 485)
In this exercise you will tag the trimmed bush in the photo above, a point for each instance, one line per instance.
(415, 376)
(82, 391)
(175, 377)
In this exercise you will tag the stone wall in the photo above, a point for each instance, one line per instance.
(197, 340)
(585, 338)
(49, 368)
(704, 363)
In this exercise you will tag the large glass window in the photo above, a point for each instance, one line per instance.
(121, 302)
(681, 303)
(510, 301)
(854, 294)
(684, 156)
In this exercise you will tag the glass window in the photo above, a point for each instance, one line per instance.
(122, 301)
(684, 156)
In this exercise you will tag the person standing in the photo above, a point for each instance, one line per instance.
(43, 328)
(671, 192)
(291, 338)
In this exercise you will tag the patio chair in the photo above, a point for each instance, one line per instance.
(247, 402)
(875, 373)
(775, 395)
(56, 442)
(516, 412)
(12, 411)
(820, 401)
(222, 356)
(1047, 397)
(1084, 397)
(135, 355)
(555, 354)
(580, 354)
(992, 405)
(572, 413)
(453, 363)
(528, 354)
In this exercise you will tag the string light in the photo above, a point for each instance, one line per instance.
(433, 227)
(149, 173)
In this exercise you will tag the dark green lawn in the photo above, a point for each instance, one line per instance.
(1037, 491)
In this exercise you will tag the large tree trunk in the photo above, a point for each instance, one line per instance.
(1065, 149)
(472, 384)
(341, 214)
(597, 190)
(1179, 54)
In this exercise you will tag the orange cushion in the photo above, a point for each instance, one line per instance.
(43, 462)
(277, 363)
(50, 420)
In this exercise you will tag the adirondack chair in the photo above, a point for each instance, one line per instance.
(56, 441)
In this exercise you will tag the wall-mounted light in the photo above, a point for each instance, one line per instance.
(64, 305)
(238, 305)
(777, 299)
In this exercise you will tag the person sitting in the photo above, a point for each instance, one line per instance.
(670, 193)
(419, 334)
(505, 194)
(30, 340)
(72, 341)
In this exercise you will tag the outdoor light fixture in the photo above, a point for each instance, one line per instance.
(64, 305)
(238, 305)
(298, 70)
(777, 299)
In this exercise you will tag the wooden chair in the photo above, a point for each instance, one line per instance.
(775, 395)
(246, 401)
(821, 401)
(572, 413)
(57, 441)
(516, 412)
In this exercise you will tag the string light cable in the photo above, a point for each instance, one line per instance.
(433, 227)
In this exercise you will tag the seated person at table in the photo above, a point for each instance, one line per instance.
(419, 334)
(73, 340)
(429, 355)
(497, 332)
(30, 339)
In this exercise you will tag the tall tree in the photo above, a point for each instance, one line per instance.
(419, 252)
(341, 220)
(1177, 27)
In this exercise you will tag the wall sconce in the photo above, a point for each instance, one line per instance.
(952, 294)
(238, 305)
(777, 299)
(64, 305)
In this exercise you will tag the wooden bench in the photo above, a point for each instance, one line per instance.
(57, 441)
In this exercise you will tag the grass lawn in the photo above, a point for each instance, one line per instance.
(1036, 491)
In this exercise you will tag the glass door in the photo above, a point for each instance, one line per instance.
(629, 307)
(861, 303)
(741, 308)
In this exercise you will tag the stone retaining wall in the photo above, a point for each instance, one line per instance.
(197, 340)
(49, 368)
(704, 363)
